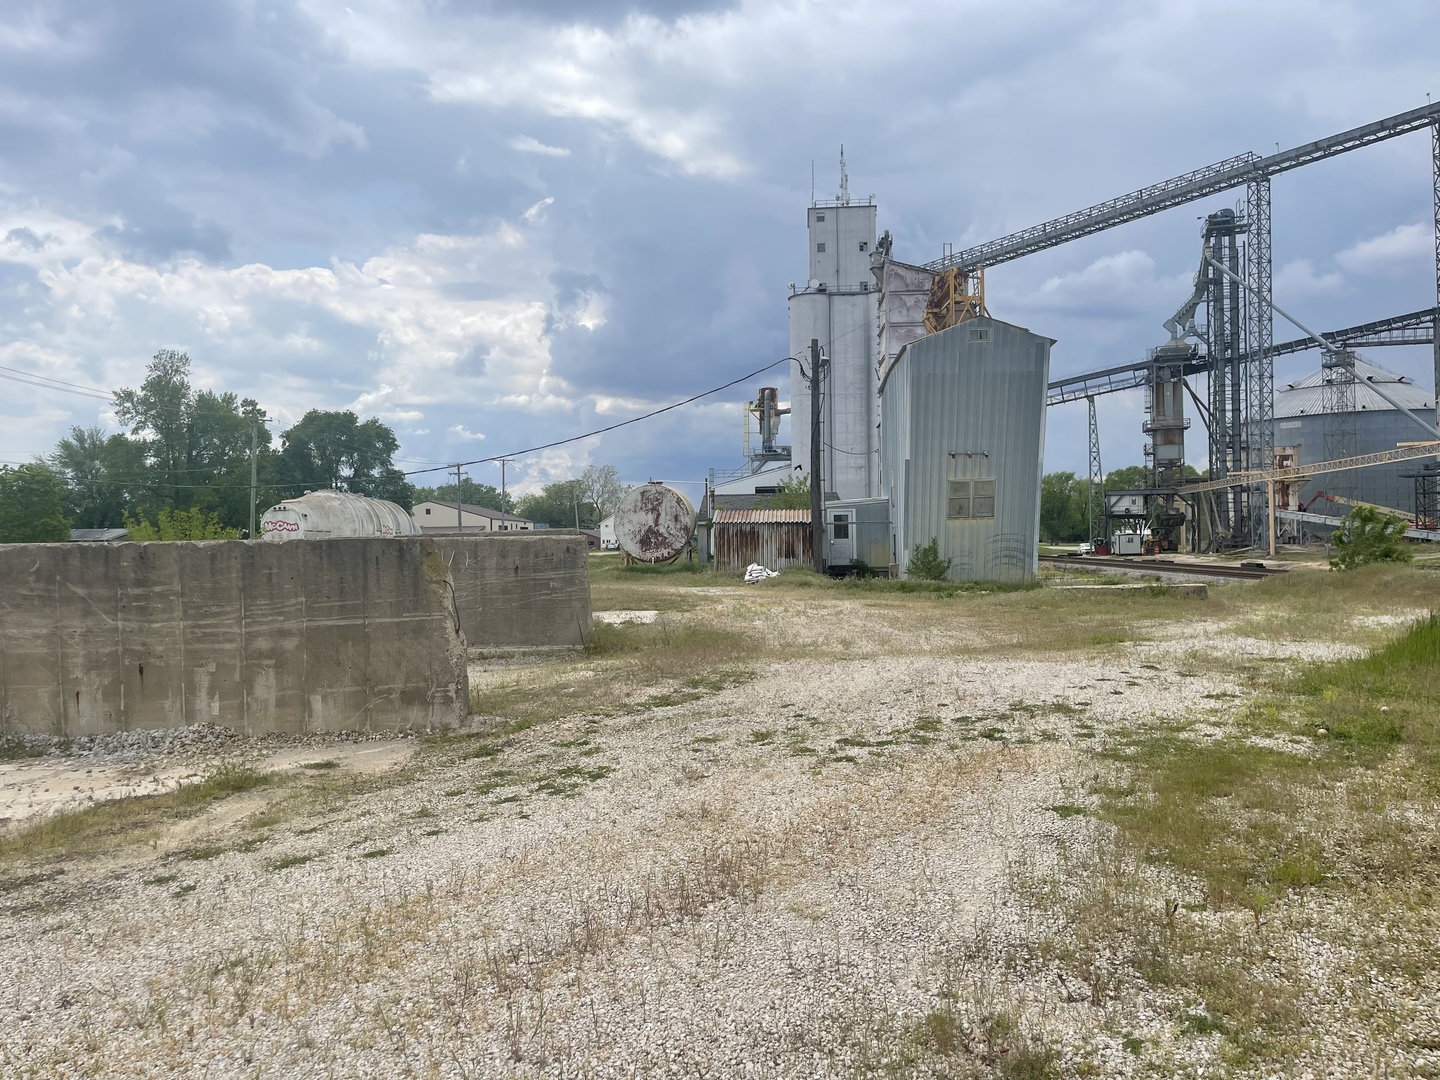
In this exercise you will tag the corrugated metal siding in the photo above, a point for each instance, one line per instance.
(982, 399)
(753, 515)
(1374, 432)
(773, 544)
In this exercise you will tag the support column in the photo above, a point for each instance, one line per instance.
(1095, 485)
(1260, 334)
(1435, 182)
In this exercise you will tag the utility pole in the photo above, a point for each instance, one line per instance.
(254, 444)
(503, 463)
(575, 495)
(459, 514)
(817, 491)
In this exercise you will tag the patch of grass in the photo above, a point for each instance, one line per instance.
(1065, 810)
(106, 824)
(328, 763)
(185, 890)
(765, 735)
(286, 862)
(162, 879)
(204, 853)
(375, 853)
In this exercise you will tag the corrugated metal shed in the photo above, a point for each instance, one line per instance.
(1306, 397)
(962, 442)
(752, 516)
(773, 538)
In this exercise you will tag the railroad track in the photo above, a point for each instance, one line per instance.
(1163, 566)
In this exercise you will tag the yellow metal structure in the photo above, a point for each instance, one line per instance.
(956, 296)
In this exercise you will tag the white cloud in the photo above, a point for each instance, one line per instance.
(1398, 249)
(1298, 279)
(532, 214)
(528, 144)
(460, 433)
(1126, 284)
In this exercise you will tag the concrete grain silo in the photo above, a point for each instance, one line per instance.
(962, 441)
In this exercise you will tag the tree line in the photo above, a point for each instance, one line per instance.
(1064, 510)
(180, 469)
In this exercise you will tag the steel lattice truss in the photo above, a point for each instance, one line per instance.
(1413, 328)
(1259, 364)
(1213, 179)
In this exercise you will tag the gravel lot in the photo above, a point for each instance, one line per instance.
(781, 877)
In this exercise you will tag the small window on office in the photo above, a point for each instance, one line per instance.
(982, 499)
(819, 217)
(820, 247)
(862, 245)
(959, 501)
(427, 509)
(840, 527)
(980, 333)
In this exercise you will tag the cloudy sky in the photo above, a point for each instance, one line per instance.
(493, 224)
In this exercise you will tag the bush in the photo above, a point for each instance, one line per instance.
(926, 563)
(189, 524)
(1368, 535)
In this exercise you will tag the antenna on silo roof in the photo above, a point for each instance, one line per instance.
(844, 179)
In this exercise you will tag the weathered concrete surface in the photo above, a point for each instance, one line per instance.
(520, 589)
(325, 635)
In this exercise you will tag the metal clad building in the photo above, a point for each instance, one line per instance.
(839, 307)
(962, 446)
(773, 538)
(1300, 421)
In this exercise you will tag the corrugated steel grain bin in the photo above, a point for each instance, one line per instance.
(962, 442)
(773, 538)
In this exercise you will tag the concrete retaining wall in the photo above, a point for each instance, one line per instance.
(321, 635)
(520, 589)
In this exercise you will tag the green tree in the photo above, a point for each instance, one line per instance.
(1128, 478)
(471, 493)
(103, 476)
(558, 505)
(333, 449)
(1368, 535)
(926, 563)
(195, 445)
(32, 505)
(171, 524)
(600, 486)
(793, 494)
(1063, 513)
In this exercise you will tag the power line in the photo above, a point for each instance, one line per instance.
(611, 427)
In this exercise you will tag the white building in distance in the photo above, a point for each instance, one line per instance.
(433, 516)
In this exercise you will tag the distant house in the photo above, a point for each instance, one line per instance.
(98, 536)
(592, 538)
(435, 517)
(607, 535)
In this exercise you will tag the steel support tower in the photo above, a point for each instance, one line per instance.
(1435, 196)
(1225, 327)
(1338, 405)
(1095, 485)
(1259, 361)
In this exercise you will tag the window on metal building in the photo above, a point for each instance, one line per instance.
(970, 499)
(820, 247)
(840, 525)
(819, 217)
(862, 245)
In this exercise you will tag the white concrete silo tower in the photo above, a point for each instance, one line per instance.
(839, 307)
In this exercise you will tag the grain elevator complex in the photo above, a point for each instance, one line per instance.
(930, 423)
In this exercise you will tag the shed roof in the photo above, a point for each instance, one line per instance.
(476, 511)
(103, 536)
(1306, 397)
(761, 517)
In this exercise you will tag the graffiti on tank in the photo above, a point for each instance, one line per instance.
(280, 526)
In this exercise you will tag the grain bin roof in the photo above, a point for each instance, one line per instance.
(1306, 397)
(757, 517)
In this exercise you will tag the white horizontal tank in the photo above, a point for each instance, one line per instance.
(326, 515)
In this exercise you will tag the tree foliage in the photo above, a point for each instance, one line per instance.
(32, 505)
(104, 476)
(926, 564)
(170, 524)
(194, 446)
(335, 449)
(1064, 515)
(793, 494)
(589, 498)
(600, 486)
(1368, 535)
